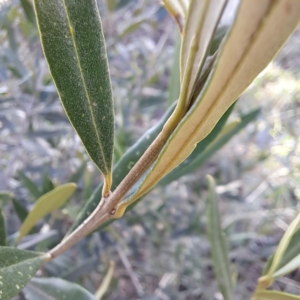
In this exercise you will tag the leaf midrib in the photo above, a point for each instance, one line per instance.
(85, 87)
(20, 263)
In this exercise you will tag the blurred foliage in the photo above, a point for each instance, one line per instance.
(160, 248)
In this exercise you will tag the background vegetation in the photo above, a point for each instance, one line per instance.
(160, 249)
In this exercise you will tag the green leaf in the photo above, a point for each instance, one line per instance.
(174, 80)
(30, 185)
(16, 268)
(2, 229)
(47, 183)
(240, 59)
(273, 295)
(20, 210)
(218, 137)
(217, 39)
(292, 251)
(28, 10)
(5, 196)
(44, 205)
(74, 46)
(218, 244)
(123, 166)
(55, 288)
(289, 267)
(283, 245)
(79, 173)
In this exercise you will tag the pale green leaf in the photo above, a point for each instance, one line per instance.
(102, 290)
(16, 268)
(55, 288)
(45, 204)
(2, 229)
(218, 243)
(74, 46)
(290, 253)
(283, 245)
(240, 59)
(273, 295)
(5, 196)
(289, 267)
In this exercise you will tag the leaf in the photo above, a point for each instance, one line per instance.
(240, 59)
(174, 80)
(201, 23)
(273, 295)
(79, 173)
(111, 5)
(74, 46)
(273, 264)
(30, 185)
(292, 250)
(28, 10)
(2, 229)
(289, 267)
(177, 11)
(45, 204)
(218, 244)
(102, 290)
(210, 145)
(217, 39)
(20, 210)
(123, 166)
(5, 196)
(283, 245)
(130, 29)
(55, 288)
(16, 269)
(47, 183)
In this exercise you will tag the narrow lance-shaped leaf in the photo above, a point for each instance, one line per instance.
(28, 10)
(283, 245)
(16, 268)
(73, 43)
(201, 23)
(44, 205)
(268, 278)
(258, 32)
(218, 243)
(290, 253)
(20, 210)
(30, 185)
(274, 295)
(209, 146)
(2, 229)
(55, 288)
